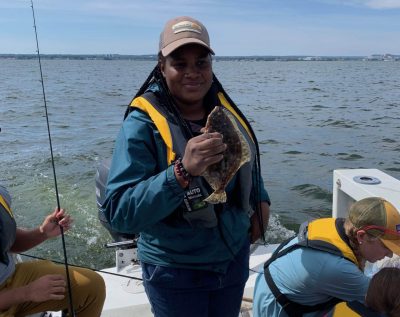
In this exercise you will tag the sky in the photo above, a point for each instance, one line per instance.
(236, 27)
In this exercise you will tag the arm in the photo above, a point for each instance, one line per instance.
(343, 280)
(28, 238)
(255, 232)
(264, 203)
(141, 188)
(48, 287)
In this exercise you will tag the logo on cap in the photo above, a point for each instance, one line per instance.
(398, 228)
(186, 26)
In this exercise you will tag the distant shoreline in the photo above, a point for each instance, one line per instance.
(374, 57)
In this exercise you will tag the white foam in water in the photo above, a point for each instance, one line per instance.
(276, 232)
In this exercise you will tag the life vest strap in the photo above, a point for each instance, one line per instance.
(6, 206)
(291, 308)
(146, 104)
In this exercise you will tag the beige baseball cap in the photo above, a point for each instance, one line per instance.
(379, 218)
(181, 31)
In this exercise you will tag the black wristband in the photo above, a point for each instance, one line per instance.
(181, 170)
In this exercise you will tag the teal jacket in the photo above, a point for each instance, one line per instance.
(143, 196)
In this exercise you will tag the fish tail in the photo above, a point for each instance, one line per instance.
(216, 197)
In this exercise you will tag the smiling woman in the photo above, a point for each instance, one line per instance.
(188, 74)
(194, 254)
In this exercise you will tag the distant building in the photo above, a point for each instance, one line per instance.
(382, 57)
(312, 58)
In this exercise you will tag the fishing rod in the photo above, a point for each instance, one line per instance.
(71, 307)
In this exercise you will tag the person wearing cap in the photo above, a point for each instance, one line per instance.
(323, 265)
(194, 254)
(32, 287)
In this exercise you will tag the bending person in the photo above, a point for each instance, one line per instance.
(194, 255)
(31, 287)
(324, 264)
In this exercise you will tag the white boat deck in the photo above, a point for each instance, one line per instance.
(126, 296)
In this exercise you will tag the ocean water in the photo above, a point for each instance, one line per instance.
(310, 118)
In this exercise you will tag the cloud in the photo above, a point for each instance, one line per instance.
(383, 4)
(372, 4)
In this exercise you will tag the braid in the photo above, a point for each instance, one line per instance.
(166, 98)
(141, 90)
(169, 104)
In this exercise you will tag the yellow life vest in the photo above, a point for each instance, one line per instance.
(327, 235)
(199, 214)
(162, 124)
(4, 204)
(342, 310)
(7, 226)
(352, 309)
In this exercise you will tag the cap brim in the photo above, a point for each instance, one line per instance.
(392, 244)
(174, 45)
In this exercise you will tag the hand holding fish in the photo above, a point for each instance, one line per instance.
(203, 151)
(237, 152)
(51, 224)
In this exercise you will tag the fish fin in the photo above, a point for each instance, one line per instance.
(216, 197)
(246, 153)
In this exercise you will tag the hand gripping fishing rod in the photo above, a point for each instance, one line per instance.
(71, 307)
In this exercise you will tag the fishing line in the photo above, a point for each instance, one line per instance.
(72, 312)
(84, 267)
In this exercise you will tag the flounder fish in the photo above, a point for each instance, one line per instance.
(236, 154)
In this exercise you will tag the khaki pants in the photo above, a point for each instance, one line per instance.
(88, 290)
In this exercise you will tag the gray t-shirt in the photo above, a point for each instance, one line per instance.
(6, 270)
(7, 235)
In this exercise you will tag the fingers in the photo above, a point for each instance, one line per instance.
(59, 214)
(62, 219)
(57, 283)
(56, 279)
(213, 159)
(56, 296)
(51, 286)
(66, 222)
(52, 223)
(211, 135)
(209, 141)
(206, 144)
(203, 151)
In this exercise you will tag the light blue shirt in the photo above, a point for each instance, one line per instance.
(309, 277)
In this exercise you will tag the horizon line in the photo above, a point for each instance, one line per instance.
(155, 55)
